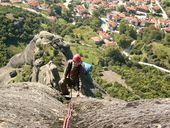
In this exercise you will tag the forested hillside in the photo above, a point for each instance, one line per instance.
(152, 46)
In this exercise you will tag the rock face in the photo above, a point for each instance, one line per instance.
(35, 105)
(30, 105)
(38, 54)
(44, 38)
(49, 75)
(94, 113)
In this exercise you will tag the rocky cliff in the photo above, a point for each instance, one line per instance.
(35, 105)
(39, 62)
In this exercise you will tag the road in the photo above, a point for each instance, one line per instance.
(143, 63)
(165, 16)
(27, 9)
(155, 66)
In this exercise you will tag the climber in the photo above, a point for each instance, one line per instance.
(74, 75)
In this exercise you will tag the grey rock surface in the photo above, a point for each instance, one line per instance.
(94, 113)
(30, 105)
(48, 75)
(35, 105)
(43, 38)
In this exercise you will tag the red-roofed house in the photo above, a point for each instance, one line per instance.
(144, 8)
(4, 1)
(167, 30)
(131, 9)
(112, 25)
(163, 23)
(109, 43)
(121, 15)
(44, 6)
(95, 1)
(52, 18)
(141, 2)
(156, 8)
(80, 9)
(133, 20)
(33, 4)
(103, 35)
(97, 40)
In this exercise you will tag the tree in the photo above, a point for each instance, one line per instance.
(121, 8)
(94, 23)
(124, 41)
(122, 27)
(67, 30)
(152, 34)
(167, 39)
(67, 15)
(114, 55)
(3, 54)
(130, 31)
(56, 10)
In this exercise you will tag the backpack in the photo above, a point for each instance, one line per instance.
(88, 68)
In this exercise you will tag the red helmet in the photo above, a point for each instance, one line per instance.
(77, 58)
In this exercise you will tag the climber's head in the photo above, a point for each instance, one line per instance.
(77, 59)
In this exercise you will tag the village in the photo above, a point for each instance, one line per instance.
(137, 13)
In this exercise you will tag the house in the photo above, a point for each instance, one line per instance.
(103, 35)
(121, 15)
(4, 1)
(142, 23)
(16, 1)
(112, 25)
(52, 18)
(95, 1)
(131, 9)
(133, 20)
(111, 16)
(62, 6)
(156, 8)
(143, 8)
(151, 21)
(129, 3)
(167, 30)
(92, 8)
(44, 6)
(108, 43)
(33, 4)
(163, 23)
(79, 9)
(112, 5)
(140, 2)
(97, 40)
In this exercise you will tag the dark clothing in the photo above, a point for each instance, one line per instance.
(74, 76)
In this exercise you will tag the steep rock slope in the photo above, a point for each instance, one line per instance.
(94, 113)
(30, 105)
